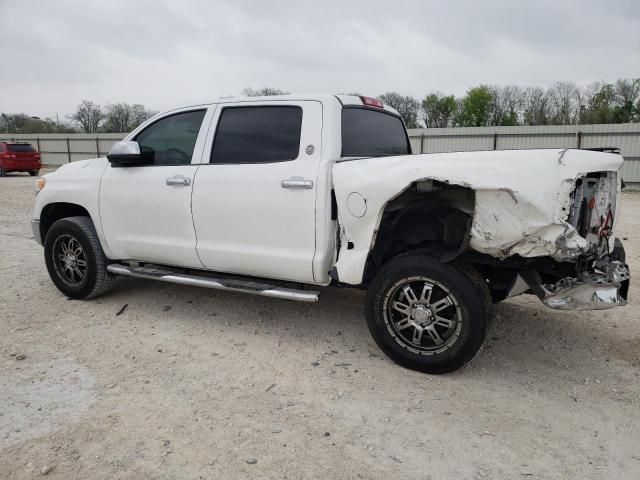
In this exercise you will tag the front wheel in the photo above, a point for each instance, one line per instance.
(75, 260)
(33, 173)
(427, 315)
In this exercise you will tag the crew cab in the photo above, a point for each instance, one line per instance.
(19, 157)
(274, 196)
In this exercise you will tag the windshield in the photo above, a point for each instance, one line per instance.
(372, 133)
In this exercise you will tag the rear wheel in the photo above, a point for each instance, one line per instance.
(75, 260)
(33, 173)
(427, 315)
(3, 172)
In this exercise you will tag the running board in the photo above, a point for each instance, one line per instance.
(230, 284)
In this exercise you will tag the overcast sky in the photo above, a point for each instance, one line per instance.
(169, 53)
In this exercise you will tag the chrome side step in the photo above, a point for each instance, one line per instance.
(232, 284)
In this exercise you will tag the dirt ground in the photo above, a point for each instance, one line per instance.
(194, 383)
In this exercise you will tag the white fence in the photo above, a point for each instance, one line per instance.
(57, 149)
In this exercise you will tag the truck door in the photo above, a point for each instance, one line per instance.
(254, 202)
(146, 210)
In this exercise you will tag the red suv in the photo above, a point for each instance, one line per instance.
(19, 157)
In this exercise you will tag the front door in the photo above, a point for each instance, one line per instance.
(146, 210)
(254, 202)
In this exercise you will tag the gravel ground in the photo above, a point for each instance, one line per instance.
(192, 383)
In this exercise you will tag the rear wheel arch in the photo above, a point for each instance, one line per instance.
(429, 217)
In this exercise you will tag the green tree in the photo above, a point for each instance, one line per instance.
(408, 107)
(628, 100)
(439, 110)
(475, 107)
(601, 106)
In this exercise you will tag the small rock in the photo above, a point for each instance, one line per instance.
(276, 430)
(327, 434)
(252, 461)
(21, 356)
(160, 350)
(315, 364)
(166, 443)
(47, 469)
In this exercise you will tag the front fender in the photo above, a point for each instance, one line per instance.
(76, 183)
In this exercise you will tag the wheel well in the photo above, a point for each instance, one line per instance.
(55, 211)
(431, 216)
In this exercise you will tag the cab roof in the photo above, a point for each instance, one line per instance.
(324, 98)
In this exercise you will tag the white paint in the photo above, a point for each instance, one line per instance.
(522, 198)
(247, 223)
(238, 218)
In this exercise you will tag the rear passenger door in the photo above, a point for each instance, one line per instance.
(254, 202)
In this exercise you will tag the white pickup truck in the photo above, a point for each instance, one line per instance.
(273, 196)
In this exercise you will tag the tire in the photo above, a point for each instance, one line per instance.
(457, 293)
(3, 173)
(75, 260)
(33, 173)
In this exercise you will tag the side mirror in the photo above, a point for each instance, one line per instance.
(125, 154)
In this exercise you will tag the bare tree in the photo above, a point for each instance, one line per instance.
(124, 117)
(563, 102)
(535, 110)
(117, 117)
(263, 92)
(408, 107)
(89, 116)
(513, 101)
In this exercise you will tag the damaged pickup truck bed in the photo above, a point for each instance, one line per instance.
(270, 195)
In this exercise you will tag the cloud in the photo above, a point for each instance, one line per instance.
(169, 53)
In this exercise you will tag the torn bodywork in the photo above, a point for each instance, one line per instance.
(501, 206)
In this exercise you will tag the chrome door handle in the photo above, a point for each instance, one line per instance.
(297, 182)
(179, 180)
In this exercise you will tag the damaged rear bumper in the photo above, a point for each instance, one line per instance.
(605, 286)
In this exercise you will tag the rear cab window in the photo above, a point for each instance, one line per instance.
(371, 132)
(20, 148)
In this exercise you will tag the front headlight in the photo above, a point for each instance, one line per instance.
(40, 183)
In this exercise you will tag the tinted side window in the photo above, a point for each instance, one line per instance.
(371, 133)
(1, 148)
(257, 135)
(20, 147)
(170, 141)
